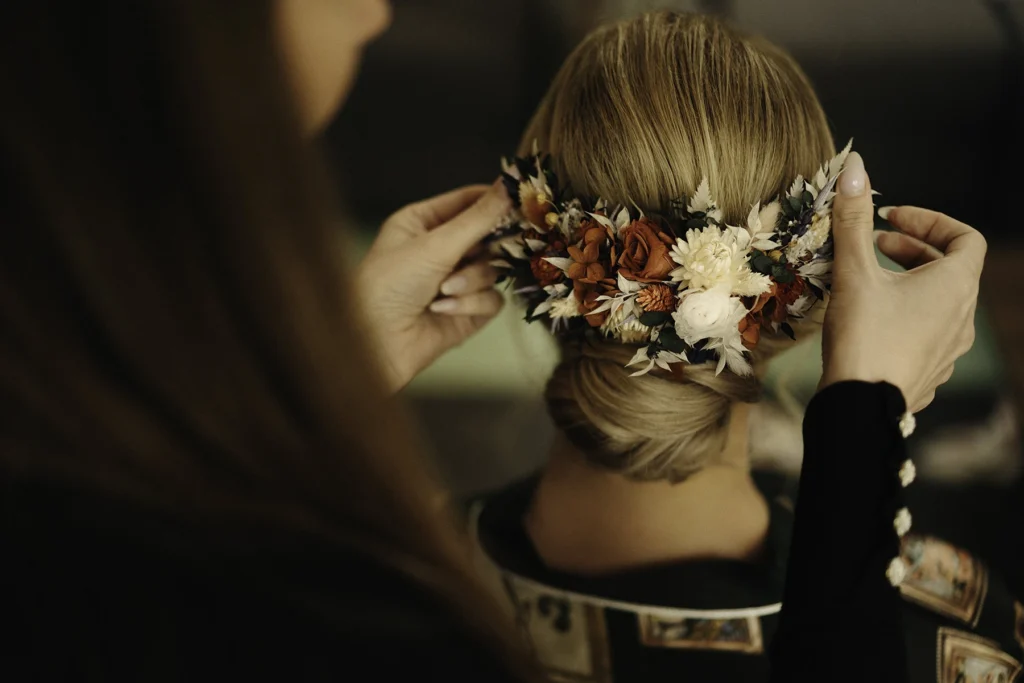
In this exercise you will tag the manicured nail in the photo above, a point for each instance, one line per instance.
(444, 306)
(884, 211)
(854, 178)
(456, 284)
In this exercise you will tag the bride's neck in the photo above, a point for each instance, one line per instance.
(587, 520)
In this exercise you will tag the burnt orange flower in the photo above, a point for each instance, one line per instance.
(586, 296)
(645, 252)
(771, 307)
(750, 331)
(535, 204)
(546, 273)
(587, 263)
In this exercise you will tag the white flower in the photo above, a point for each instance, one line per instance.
(555, 293)
(799, 308)
(731, 354)
(811, 241)
(818, 272)
(663, 360)
(622, 325)
(566, 307)
(761, 226)
(572, 214)
(514, 246)
(714, 315)
(627, 286)
(713, 257)
(558, 262)
(707, 314)
(702, 201)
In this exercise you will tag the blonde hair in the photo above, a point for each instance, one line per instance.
(639, 113)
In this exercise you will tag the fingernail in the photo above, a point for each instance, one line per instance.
(456, 284)
(884, 211)
(854, 178)
(444, 306)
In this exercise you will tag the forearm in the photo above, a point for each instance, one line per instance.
(841, 617)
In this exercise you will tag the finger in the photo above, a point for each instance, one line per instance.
(486, 304)
(905, 250)
(449, 242)
(853, 218)
(421, 217)
(923, 403)
(939, 231)
(473, 278)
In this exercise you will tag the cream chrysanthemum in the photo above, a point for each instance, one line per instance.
(714, 257)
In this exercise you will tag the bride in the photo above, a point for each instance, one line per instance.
(646, 546)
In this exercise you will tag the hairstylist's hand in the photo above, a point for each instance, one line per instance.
(903, 328)
(425, 285)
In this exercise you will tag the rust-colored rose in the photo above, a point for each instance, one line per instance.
(546, 273)
(645, 252)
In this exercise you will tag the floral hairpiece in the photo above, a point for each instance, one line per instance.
(684, 285)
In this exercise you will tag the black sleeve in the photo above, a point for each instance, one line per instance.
(841, 618)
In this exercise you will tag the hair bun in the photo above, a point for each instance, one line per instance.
(647, 428)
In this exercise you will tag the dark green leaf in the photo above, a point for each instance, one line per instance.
(788, 330)
(668, 339)
(761, 262)
(655, 318)
(807, 197)
(782, 274)
(795, 204)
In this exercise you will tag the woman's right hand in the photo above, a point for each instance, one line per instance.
(903, 328)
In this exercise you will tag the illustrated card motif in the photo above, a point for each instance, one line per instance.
(944, 578)
(568, 637)
(967, 658)
(733, 635)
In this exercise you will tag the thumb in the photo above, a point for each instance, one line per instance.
(853, 218)
(451, 241)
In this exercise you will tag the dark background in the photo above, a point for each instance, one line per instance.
(931, 91)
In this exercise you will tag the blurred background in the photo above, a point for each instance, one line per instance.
(932, 92)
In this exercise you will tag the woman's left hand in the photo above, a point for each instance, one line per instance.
(426, 285)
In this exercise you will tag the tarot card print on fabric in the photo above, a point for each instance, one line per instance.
(733, 635)
(567, 636)
(944, 578)
(966, 658)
